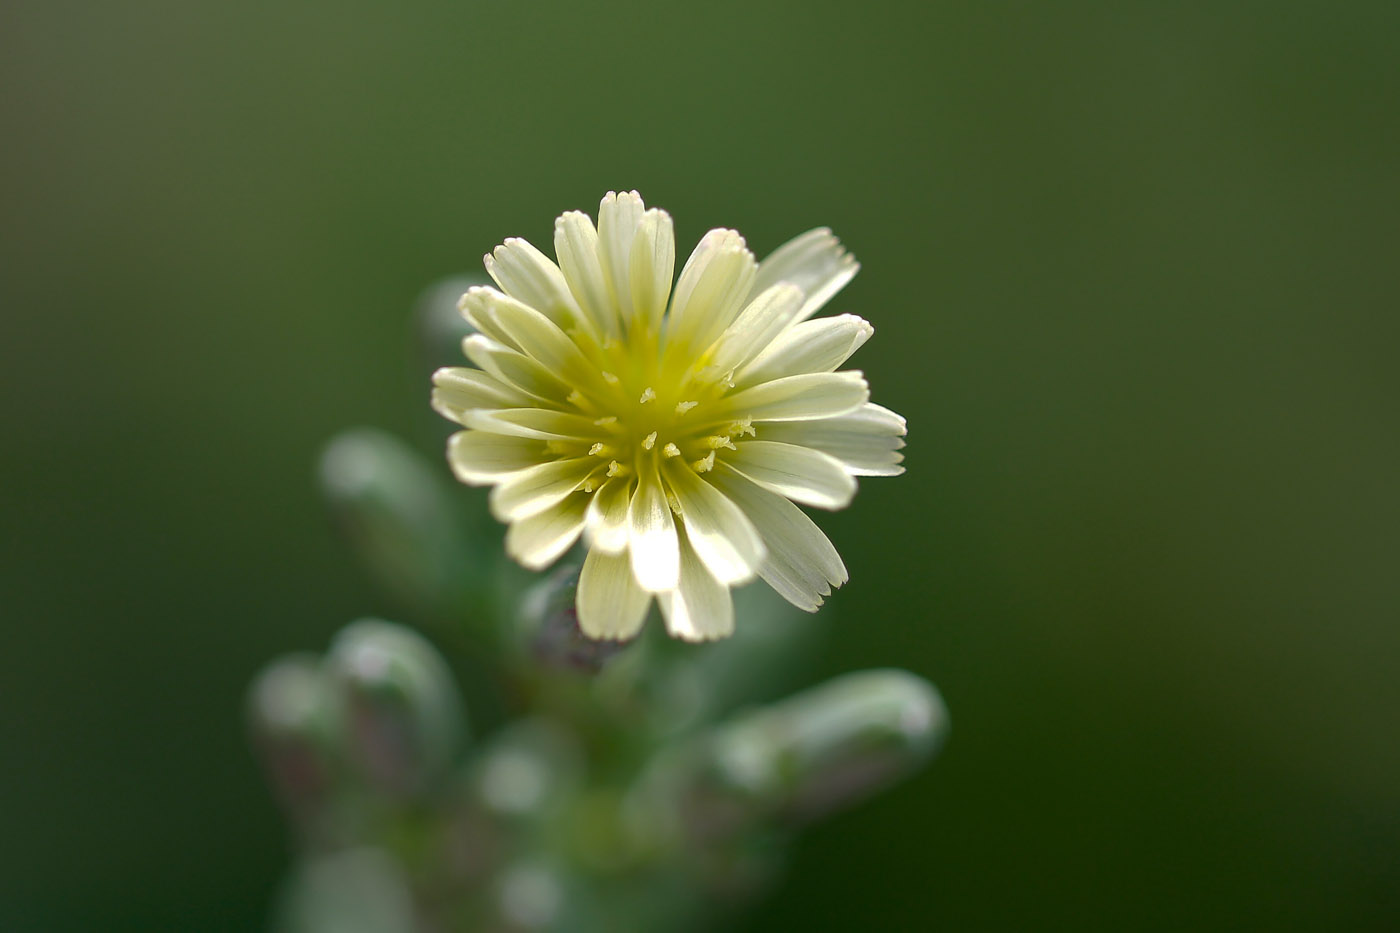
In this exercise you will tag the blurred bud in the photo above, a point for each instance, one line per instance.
(352, 891)
(403, 712)
(441, 326)
(399, 515)
(799, 759)
(547, 627)
(294, 725)
(527, 771)
(530, 896)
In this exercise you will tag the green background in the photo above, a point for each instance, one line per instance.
(1133, 269)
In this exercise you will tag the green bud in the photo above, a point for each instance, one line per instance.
(806, 756)
(399, 515)
(295, 729)
(403, 713)
(547, 627)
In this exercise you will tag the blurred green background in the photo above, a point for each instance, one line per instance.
(1133, 269)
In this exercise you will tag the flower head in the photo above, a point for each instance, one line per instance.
(673, 427)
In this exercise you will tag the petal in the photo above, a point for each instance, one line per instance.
(618, 218)
(723, 537)
(526, 274)
(479, 457)
(532, 422)
(537, 541)
(515, 324)
(532, 490)
(816, 346)
(802, 564)
(457, 389)
(607, 515)
(798, 398)
(610, 603)
(712, 287)
(765, 318)
(800, 473)
(866, 441)
(652, 534)
(815, 262)
(653, 264)
(515, 369)
(700, 608)
(576, 245)
(473, 305)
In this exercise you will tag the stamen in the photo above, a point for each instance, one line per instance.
(616, 469)
(673, 502)
(705, 464)
(649, 441)
(647, 395)
(671, 450)
(590, 484)
(717, 441)
(606, 422)
(740, 428)
(610, 379)
(601, 450)
(575, 398)
(683, 407)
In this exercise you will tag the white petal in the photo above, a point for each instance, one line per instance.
(479, 457)
(576, 244)
(866, 441)
(537, 541)
(607, 515)
(527, 274)
(700, 608)
(473, 305)
(815, 262)
(610, 603)
(800, 473)
(518, 325)
(515, 369)
(711, 290)
(539, 487)
(653, 264)
(723, 537)
(816, 346)
(799, 398)
(532, 422)
(457, 389)
(652, 534)
(802, 564)
(618, 218)
(765, 318)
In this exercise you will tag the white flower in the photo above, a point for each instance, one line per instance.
(673, 428)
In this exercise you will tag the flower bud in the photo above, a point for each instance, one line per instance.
(398, 514)
(403, 713)
(295, 730)
(806, 756)
(548, 627)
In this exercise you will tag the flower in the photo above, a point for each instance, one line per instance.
(674, 428)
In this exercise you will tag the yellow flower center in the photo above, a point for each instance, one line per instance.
(651, 403)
